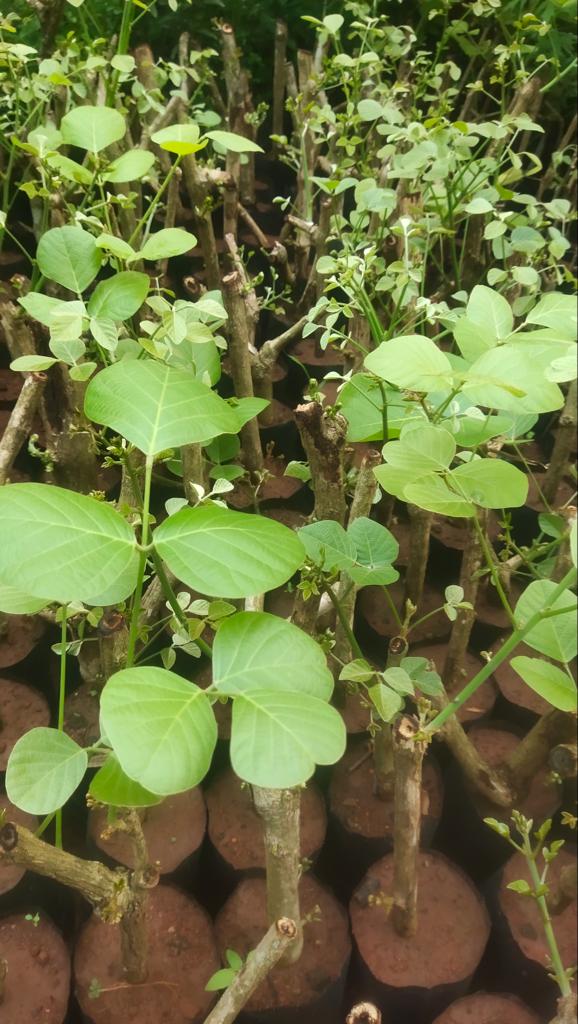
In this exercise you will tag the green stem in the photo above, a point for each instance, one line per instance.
(510, 645)
(557, 965)
(394, 610)
(172, 599)
(123, 42)
(61, 700)
(137, 597)
(355, 648)
(155, 202)
(493, 570)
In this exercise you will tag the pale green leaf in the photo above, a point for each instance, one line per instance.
(234, 143)
(92, 128)
(328, 545)
(44, 769)
(549, 681)
(556, 636)
(69, 256)
(411, 362)
(491, 483)
(166, 243)
(120, 296)
(111, 786)
(15, 602)
(130, 166)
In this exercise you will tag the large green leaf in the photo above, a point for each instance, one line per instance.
(156, 406)
(111, 786)
(119, 297)
(509, 379)
(92, 128)
(44, 769)
(422, 448)
(228, 554)
(492, 483)
(64, 546)
(548, 680)
(328, 545)
(555, 310)
(362, 403)
(258, 651)
(182, 139)
(161, 727)
(555, 637)
(411, 362)
(69, 256)
(433, 494)
(15, 602)
(278, 738)
(490, 310)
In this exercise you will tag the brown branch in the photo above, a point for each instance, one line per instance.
(280, 810)
(20, 423)
(108, 891)
(485, 780)
(567, 1006)
(383, 746)
(408, 760)
(323, 437)
(472, 560)
(420, 529)
(533, 751)
(565, 439)
(259, 963)
(279, 77)
(240, 343)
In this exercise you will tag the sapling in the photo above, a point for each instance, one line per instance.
(531, 844)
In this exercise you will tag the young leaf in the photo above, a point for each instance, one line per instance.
(554, 685)
(386, 701)
(555, 637)
(92, 128)
(65, 546)
(232, 142)
(433, 494)
(358, 671)
(41, 307)
(156, 406)
(490, 310)
(228, 554)
(375, 549)
(278, 738)
(258, 651)
(399, 680)
(130, 166)
(165, 243)
(69, 256)
(111, 786)
(44, 769)
(220, 979)
(14, 602)
(328, 545)
(119, 297)
(32, 364)
(182, 139)
(161, 727)
(558, 311)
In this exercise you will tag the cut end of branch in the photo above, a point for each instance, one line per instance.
(364, 1013)
(8, 837)
(397, 647)
(286, 928)
(406, 728)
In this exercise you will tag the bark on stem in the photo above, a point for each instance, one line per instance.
(323, 437)
(20, 423)
(263, 959)
(563, 445)
(485, 781)
(193, 470)
(383, 753)
(472, 560)
(408, 760)
(279, 810)
(133, 929)
(240, 343)
(361, 505)
(533, 751)
(420, 529)
(262, 364)
(279, 77)
(109, 891)
(567, 1006)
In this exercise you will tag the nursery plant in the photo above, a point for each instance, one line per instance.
(296, 388)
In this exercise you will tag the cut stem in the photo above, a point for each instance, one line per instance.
(280, 812)
(408, 760)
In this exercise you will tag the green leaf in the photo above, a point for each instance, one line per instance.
(432, 493)
(277, 738)
(70, 169)
(92, 128)
(358, 671)
(362, 403)
(399, 680)
(328, 545)
(130, 166)
(117, 246)
(411, 362)
(234, 143)
(555, 637)
(395, 481)
(105, 333)
(44, 769)
(369, 110)
(509, 378)
(111, 786)
(490, 310)
(574, 541)
(258, 651)
(333, 22)
(421, 447)
(554, 685)
(32, 364)
(375, 550)
(228, 554)
(492, 483)
(156, 406)
(39, 306)
(119, 297)
(15, 602)
(220, 979)
(166, 243)
(557, 311)
(386, 702)
(182, 139)
(69, 256)
(161, 728)
(245, 409)
(521, 887)
(65, 546)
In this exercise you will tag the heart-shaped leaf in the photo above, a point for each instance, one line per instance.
(44, 769)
